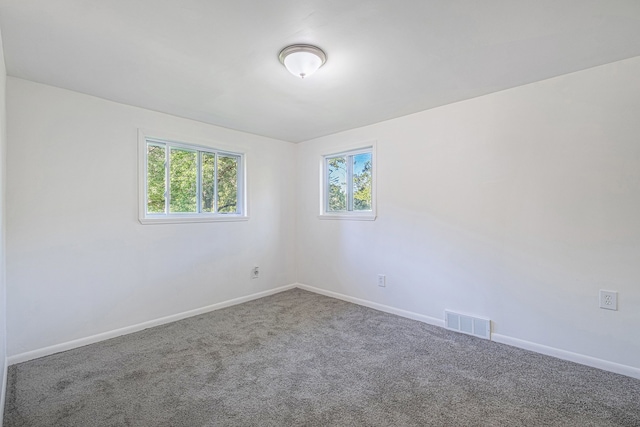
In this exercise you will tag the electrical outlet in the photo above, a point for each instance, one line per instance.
(382, 280)
(255, 273)
(608, 300)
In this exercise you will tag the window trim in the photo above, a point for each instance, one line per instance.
(145, 137)
(371, 215)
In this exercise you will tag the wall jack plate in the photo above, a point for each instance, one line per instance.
(608, 300)
(255, 273)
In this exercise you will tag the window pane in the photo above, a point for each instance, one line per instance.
(183, 181)
(227, 184)
(208, 180)
(155, 179)
(362, 182)
(337, 176)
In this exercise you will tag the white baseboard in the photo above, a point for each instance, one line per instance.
(374, 305)
(3, 393)
(69, 345)
(582, 359)
(503, 339)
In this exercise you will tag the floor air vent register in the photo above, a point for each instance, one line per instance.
(476, 326)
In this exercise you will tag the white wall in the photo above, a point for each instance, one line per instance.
(78, 261)
(3, 310)
(518, 206)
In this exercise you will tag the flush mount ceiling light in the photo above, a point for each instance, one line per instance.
(302, 60)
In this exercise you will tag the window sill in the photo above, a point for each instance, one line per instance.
(188, 219)
(349, 217)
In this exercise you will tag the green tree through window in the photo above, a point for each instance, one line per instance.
(362, 182)
(348, 183)
(337, 184)
(155, 179)
(227, 184)
(183, 189)
(200, 181)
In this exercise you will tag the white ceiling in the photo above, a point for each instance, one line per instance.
(217, 60)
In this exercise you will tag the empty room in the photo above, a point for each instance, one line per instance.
(337, 213)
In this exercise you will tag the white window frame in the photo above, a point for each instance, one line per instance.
(324, 185)
(145, 137)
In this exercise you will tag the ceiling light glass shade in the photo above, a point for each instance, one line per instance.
(302, 60)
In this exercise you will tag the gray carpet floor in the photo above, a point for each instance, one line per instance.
(301, 359)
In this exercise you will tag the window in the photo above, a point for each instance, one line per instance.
(348, 185)
(188, 183)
